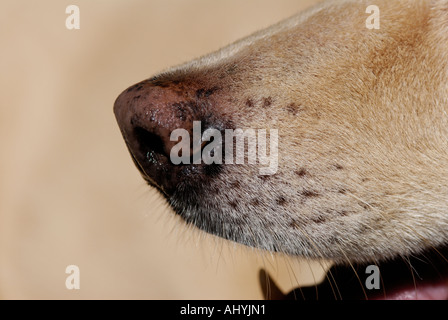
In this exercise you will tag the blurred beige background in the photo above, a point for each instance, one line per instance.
(69, 192)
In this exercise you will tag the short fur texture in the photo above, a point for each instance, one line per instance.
(363, 132)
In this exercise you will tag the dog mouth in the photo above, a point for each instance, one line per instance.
(419, 277)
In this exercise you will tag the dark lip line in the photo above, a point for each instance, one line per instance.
(137, 163)
(151, 183)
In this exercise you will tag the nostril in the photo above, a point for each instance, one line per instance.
(151, 145)
(149, 115)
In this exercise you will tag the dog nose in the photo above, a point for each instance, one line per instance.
(147, 114)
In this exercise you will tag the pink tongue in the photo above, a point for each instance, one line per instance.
(429, 291)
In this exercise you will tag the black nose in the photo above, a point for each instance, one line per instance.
(146, 118)
(147, 114)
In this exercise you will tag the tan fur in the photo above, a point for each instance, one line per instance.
(363, 127)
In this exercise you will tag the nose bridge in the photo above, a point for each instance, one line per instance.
(153, 108)
(145, 103)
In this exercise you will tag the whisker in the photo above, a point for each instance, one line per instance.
(329, 273)
(290, 270)
(440, 254)
(411, 268)
(356, 273)
(314, 279)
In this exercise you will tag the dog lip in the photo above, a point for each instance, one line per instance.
(151, 183)
(420, 277)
